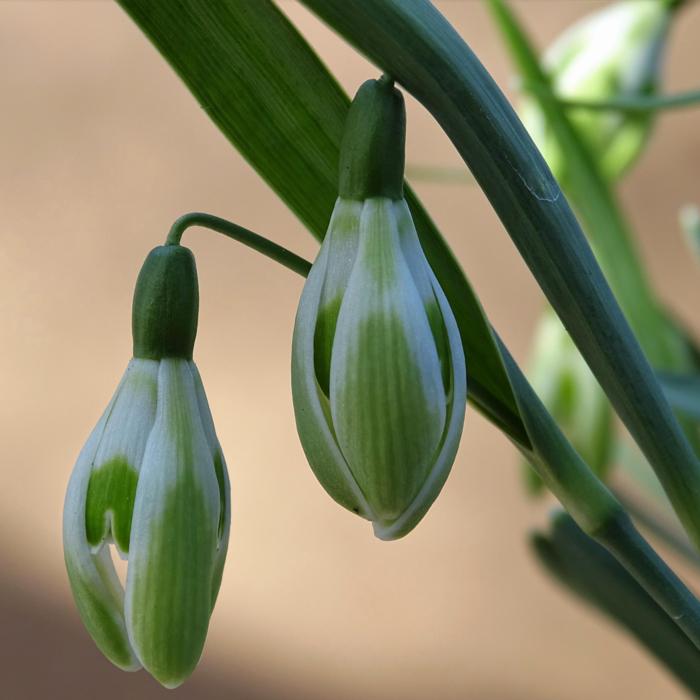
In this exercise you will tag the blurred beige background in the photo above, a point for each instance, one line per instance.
(101, 147)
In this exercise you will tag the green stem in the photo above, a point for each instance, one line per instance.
(253, 240)
(637, 104)
(634, 105)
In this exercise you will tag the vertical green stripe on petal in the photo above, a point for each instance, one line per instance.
(174, 537)
(387, 394)
(97, 591)
(456, 407)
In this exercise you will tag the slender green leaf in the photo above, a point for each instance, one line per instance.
(637, 104)
(267, 91)
(414, 43)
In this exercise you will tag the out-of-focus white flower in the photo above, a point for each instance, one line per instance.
(616, 52)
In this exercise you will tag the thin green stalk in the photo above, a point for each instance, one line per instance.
(242, 235)
(633, 105)
(414, 43)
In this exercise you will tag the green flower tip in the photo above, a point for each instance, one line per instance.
(166, 304)
(373, 145)
(152, 481)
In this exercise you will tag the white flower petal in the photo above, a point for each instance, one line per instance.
(311, 408)
(96, 588)
(174, 535)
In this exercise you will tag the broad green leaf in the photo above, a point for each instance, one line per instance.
(267, 91)
(414, 43)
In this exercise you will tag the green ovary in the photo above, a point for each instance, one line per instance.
(110, 503)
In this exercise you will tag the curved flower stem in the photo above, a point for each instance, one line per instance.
(253, 240)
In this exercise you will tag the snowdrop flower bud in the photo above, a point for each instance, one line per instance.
(151, 480)
(616, 52)
(378, 371)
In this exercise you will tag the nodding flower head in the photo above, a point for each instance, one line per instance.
(378, 370)
(616, 52)
(151, 480)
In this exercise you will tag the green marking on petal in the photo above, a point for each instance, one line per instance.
(110, 503)
(171, 584)
(389, 414)
(99, 615)
(323, 341)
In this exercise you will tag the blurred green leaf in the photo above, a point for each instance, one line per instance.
(589, 571)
